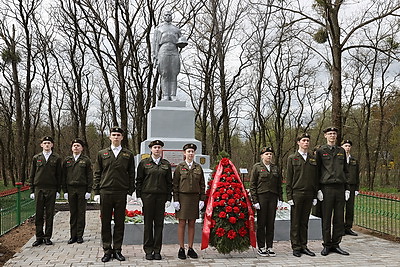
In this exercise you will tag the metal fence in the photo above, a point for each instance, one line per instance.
(378, 212)
(15, 208)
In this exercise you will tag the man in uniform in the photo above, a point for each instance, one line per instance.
(333, 191)
(77, 185)
(114, 178)
(154, 189)
(354, 183)
(301, 189)
(45, 183)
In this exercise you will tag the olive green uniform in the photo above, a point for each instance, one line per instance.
(266, 189)
(154, 187)
(45, 181)
(332, 173)
(301, 187)
(189, 189)
(354, 183)
(114, 178)
(77, 180)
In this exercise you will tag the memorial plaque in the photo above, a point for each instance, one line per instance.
(173, 156)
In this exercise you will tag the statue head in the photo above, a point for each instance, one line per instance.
(167, 16)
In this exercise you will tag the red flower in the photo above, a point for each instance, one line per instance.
(225, 162)
(242, 231)
(231, 202)
(212, 223)
(228, 170)
(222, 190)
(222, 214)
(229, 179)
(228, 209)
(220, 184)
(236, 209)
(222, 202)
(241, 215)
(232, 220)
(236, 196)
(229, 192)
(225, 196)
(246, 223)
(220, 232)
(224, 175)
(231, 234)
(215, 204)
(216, 194)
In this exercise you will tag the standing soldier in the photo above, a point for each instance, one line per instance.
(45, 178)
(301, 188)
(266, 193)
(114, 178)
(333, 191)
(189, 196)
(77, 185)
(354, 183)
(154, 189)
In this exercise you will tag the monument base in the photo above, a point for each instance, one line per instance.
(134, 232)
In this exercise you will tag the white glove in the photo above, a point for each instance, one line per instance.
(346, 195)
(66, 196)
(256, 206)
(314, 202)
(290, 202)
(96, 198)
(32, 196)
(279, 205)
(87, 195)
(356, 193)
(201, 204)
(139, 202)
(57, 195)
(320, 196)
(177, 205)
(167, 204)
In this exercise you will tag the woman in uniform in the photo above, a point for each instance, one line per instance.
(266, 193)
(189, 195)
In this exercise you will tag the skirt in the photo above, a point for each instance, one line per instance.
(189, 207)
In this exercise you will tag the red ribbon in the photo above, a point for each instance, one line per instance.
(209, 210)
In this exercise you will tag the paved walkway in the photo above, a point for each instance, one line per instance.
(364, 249)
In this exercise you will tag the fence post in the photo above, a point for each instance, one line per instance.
(19, 184)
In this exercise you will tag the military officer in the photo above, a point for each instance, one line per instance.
(354, 184)
(301, 189)
(333, 191)
(114, 178)
(266, 194)
(154, 189)
(189, 196)
(77, 186)
(45, 184)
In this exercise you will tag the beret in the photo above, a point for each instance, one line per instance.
(266, 149)
(303, 135)
(156, 142)
(47, 138)
(190, 145)
(330, 129)
(116, 129)
(347, 142)
(79, 141)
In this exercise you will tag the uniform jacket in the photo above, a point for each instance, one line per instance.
(263, 181)
(332, 166)
(77, 173)
(188, 180)
(46, 174)
(354, 172)
(302, 176)
(114, 175)
(154, 178)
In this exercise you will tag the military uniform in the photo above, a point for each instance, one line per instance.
(189, 189)
(354, 185)
(154, 187)
(332, 173)
(114, 178)
(45, 180)
(301, 187)
(77, 180)
(266, 189)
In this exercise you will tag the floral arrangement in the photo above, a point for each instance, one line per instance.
(229, 218)
(136, 216)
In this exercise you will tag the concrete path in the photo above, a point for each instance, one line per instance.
(364, 249)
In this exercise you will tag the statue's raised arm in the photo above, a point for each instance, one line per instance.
(167, 39)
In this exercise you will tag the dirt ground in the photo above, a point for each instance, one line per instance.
(11, 242)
